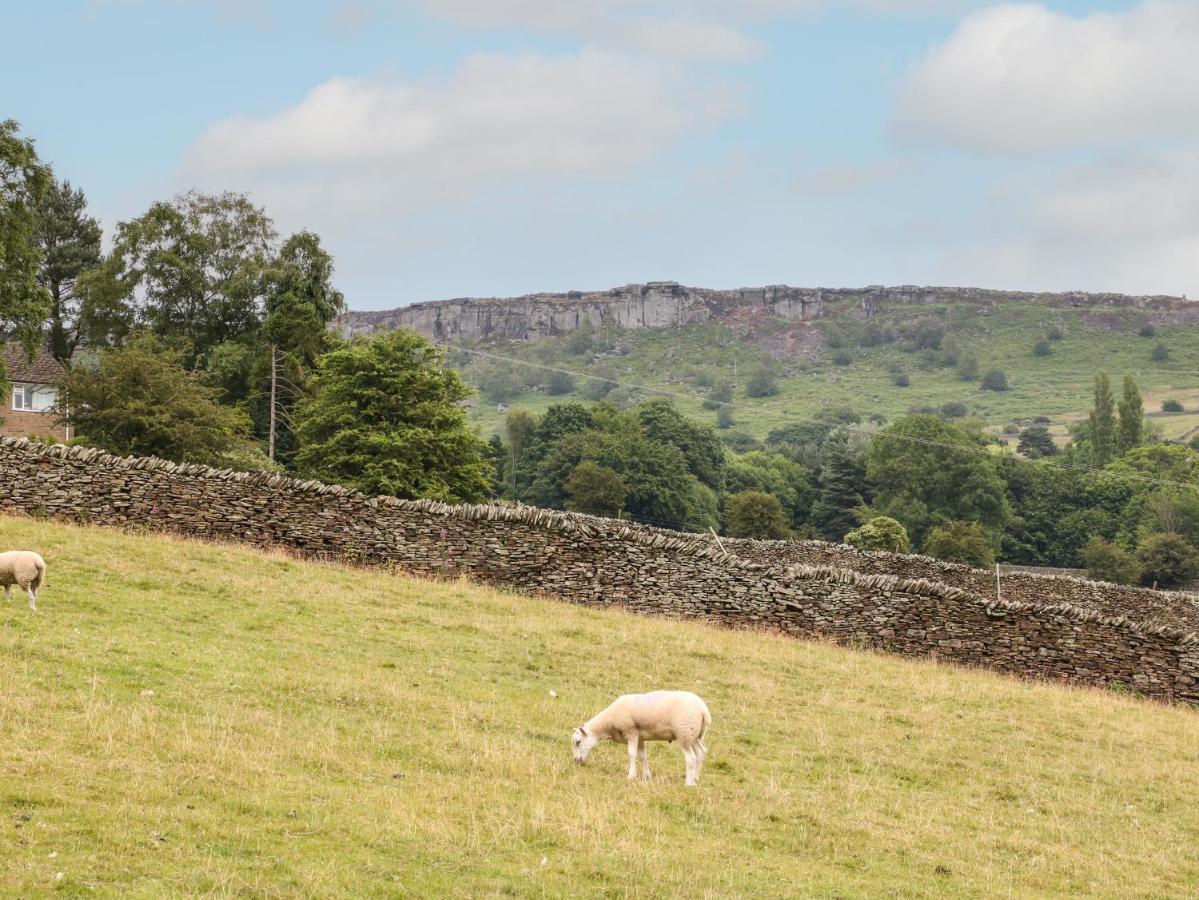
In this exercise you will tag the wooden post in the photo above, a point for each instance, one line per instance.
(998, 590)
(719, 542)
(274, 380)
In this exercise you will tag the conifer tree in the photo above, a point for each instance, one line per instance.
(1102, 423)
(1132, 412)
(841, 479)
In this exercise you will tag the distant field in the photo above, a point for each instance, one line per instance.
(186, 719)
(1058, 386)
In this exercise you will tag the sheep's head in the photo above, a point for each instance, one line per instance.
(582, 742)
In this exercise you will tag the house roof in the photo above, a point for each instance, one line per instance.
(43, 369)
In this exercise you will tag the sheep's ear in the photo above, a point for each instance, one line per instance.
(583, 730)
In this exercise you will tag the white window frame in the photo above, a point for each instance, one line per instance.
(25, 392)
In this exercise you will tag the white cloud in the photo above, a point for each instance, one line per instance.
(1019, 77)
(1128, 224)
(493, 120)
(689, 39)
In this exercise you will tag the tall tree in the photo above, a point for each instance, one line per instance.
(70, 243)
(1101, 426)
(190, 270)
(387, 418)
(841, 486)
(24, 304)
(1131, 430)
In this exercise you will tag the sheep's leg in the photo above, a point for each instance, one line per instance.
(633, 742)
(8, 592)
(643, 756)
(32, 596)
(701, 753)
(689, 758)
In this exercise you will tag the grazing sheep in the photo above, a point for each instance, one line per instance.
(637, 719)
(23, 567)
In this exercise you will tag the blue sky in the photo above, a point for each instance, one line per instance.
(450, 148)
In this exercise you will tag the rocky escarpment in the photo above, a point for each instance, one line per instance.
(661, 304)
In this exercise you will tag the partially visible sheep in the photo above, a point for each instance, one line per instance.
(637, 719)
(25, 568)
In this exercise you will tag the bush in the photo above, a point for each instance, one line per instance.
(1104, 561)
(719, 395)
(761, 384)
(954, 409)
(968, 365)
(1041, 348)
(754, 514)
(1195, 442)
(994, 380)
(1055, 334)
(1160, 353)
(724, 417)
(901, 379)
(1036, 442)
(1147, 330)
(960, 542)
(880, 533)
(559, 383)
(1172, 406)
(597, 389)
(596, 490)
(1011, 428)
(1167, 559)
(842, 358)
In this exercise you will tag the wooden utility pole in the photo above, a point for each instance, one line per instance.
(274, 384)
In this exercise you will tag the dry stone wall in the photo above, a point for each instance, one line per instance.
(601, 562)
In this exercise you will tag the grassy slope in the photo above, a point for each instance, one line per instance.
(320, 731)
(1058, 386)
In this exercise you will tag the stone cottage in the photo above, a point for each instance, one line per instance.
(32, 407)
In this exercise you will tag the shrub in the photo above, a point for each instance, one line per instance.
(596, 489)
(1036, 441)
(1167, 559)
(724, 417)
(1011, 428)
(968, 365)
(880, 533)
(754, 514)
(559, 383)
(994, 380)
(1195, 442)
(1104, 561)
(1055, 333)
(960, 542)
(761, 384)
(1160, 353)
(1172, 406)
(901, 379)
(954, 409)
(842, 358)
(1147, 330)
(1041, 348)
(721, 394)
(597, 389)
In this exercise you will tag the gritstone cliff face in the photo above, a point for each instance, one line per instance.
(661, 304)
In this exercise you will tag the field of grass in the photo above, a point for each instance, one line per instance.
(181, 718)
(1058, 386)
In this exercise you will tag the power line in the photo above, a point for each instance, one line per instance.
(779, 416)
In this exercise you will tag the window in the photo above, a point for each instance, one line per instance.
(22, 396)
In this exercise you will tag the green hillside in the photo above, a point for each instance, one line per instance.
(842, 362)
(183, 718)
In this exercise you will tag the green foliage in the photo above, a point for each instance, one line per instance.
(386, 418)
(1055, 333)
(559, 383)
(994, 380)
(960, 542)
(721, 394)
(725, 418)
(880, 533)
(1167, 560)
(926, 472)
(841, 488)
(1130, 432)
(953, 409)
(1147, 330)
(901, 379)
(776, 474)
(596, 490)
(69, 241)
(762, 383)
(699, 445)
(1104, 561)
(753, 514)
(842, 358)
(24, 180)
(1101, 426)
(190, 270)
(1041, 348)
(1160, 353)
(968, 365)
(1172, 406)
(140, 400)
(1035, 442)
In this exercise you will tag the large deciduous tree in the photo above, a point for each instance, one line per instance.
(140, 400)
(69, 240)
(190, 270)
(386, 417)
(24, 304)
(1101, 426)
(927, 472)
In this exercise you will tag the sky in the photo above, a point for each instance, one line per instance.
(450, 148)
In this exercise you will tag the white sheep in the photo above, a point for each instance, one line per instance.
(637, 719)
(23, 567)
